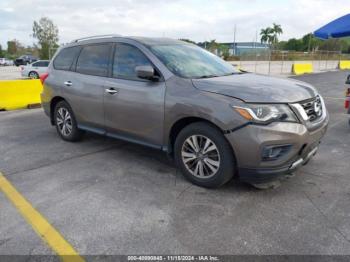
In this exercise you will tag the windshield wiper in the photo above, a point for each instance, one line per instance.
(211, 76)
(207, 76)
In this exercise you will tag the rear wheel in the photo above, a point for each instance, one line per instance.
(33, 75)
(65, 122)
(204, 156)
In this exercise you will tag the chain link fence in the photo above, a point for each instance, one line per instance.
(281, 62)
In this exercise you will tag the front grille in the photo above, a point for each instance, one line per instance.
(313, 108)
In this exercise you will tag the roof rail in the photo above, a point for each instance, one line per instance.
(94, 37)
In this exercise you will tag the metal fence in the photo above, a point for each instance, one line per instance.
(10, 73)
(266, 62)
(281, 62)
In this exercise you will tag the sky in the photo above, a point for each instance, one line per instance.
(198, 20)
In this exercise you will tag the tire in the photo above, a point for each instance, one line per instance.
(66, 125)
(33, 75)
(220, 158)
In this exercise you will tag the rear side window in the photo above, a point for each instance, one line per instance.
(126, 58)
(65, 58)
(41, 64)
(94, 60)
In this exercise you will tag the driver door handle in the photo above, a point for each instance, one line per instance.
(111, 91)
(68, 83)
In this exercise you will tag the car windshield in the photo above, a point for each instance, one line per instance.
(190, 61)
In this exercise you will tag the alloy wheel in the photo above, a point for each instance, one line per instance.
(33, 75)
(200, 156)
(64, 121)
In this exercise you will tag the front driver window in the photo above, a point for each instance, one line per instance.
(126, 58)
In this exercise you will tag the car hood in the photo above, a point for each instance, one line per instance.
(254, 88)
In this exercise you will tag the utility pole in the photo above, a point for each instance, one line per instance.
(234, 40)
(309, 47)
(255, 49)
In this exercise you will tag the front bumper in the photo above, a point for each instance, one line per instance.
(24, 73)
(264, 175)
(249, 141)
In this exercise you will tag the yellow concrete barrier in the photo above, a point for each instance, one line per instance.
(300, 69)
(344, 64)
(19, 94)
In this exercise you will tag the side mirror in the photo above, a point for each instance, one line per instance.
(348, 80)
(146, 72)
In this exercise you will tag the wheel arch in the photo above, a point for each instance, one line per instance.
(53, 104)
(181, 124)
(33, 71)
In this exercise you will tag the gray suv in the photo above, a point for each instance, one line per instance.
(170, 95)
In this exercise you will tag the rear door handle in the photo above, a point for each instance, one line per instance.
(68, 83)
(111, 91)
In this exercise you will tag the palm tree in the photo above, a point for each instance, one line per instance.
(266, 35)
(213, 46)
(277, 30)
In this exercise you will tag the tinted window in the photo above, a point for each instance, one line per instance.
(94, 60)
(41, 64)
(65, 58)
(126, 58)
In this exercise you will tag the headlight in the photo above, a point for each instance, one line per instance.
(264, 114)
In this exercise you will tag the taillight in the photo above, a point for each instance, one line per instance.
(347, 102)
(43, 77)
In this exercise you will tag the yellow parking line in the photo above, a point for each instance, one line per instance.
(41, 226)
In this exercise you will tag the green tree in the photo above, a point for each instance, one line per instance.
(12, 47)
(213, 46)
(224, 51)
(266, 35)
(334, 44)
(294, 44)
(276, 31)
(1, 52)
(46, 32)
(270, 35)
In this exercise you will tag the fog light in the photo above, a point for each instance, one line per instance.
(270, 153)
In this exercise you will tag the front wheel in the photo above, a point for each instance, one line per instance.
(65, 122)
(204, 156)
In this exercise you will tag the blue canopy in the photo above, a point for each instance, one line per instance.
(335, 29)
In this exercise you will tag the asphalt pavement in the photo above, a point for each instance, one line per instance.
(107, 196)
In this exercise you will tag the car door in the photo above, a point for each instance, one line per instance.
(134, 107)
(37, 67)
(84, 89)
(42, 67)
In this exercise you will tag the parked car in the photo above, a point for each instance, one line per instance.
(2, 61)
(5, 62)
(347, 96)
(25, 59)
(9, 62)
(215, 121)
(35, 69)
